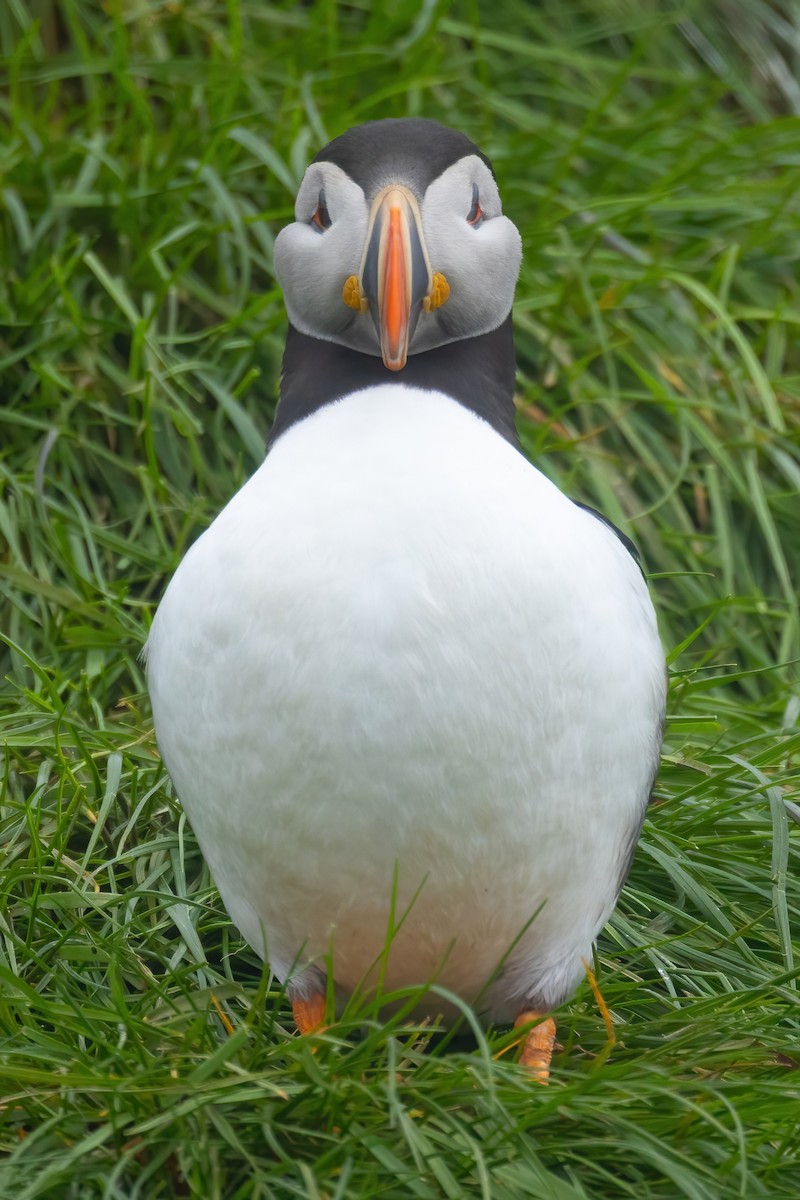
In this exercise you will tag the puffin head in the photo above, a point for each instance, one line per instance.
(399, 243)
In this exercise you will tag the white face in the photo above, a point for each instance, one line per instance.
(464, 237)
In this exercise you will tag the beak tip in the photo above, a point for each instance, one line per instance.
(394, 364)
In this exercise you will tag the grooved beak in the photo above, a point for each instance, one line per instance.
(395, 272)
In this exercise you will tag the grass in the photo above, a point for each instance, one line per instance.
(649, 154)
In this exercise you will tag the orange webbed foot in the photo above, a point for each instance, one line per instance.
(309, 1013)
(537, 1045)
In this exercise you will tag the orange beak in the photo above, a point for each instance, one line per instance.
(395, 272)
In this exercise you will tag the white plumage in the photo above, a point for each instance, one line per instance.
(400, 647)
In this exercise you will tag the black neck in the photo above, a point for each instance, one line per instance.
(478, 372)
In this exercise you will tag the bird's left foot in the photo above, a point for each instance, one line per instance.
(537, 1046)
(309, 1013)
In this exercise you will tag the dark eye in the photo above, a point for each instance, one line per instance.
(476, 212)
(321, 219)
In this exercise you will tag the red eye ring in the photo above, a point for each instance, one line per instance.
(321, 219)
(476, 212)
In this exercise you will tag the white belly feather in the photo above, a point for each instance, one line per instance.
(400, 649)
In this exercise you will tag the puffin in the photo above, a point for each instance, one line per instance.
(410, 695)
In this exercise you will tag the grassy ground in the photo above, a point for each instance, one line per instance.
(650, 155)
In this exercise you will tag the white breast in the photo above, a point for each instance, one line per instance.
(402, 661)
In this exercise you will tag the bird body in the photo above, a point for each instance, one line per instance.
(406, 649)
(410, 695)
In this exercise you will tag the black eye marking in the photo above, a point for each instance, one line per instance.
(321, 219)
(476, 212)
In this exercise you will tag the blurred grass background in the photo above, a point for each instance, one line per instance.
(650, 155)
